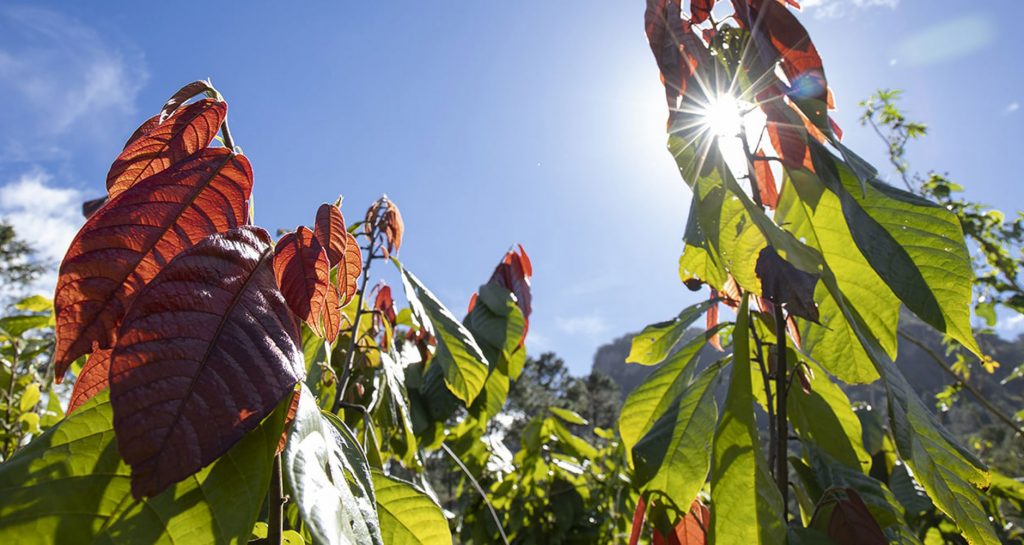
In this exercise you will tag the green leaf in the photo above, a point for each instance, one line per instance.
(464, 365)
(656, 341)
(746, 508)
(35, 303)
(330, 478)
(16, 326)
(831, 473)
(675, 455)
(569, 416)
(70, 486)
(497, 324)
(29, 397)
(824, 418)
(915, 245)
(398, 402)
(949, 473)
(653, 397)
(698, 262)
(408, 516)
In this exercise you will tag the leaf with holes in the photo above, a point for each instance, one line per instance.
(189, 130)
(207, 350)
(125, 244)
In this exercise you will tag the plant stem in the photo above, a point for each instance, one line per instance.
(479, 489)
(965, 385)
(350, 356)
(8, 423)
(781, 424)
(275, 505)
(766, 381)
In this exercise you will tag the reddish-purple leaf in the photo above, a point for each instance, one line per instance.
(638, 521)
(513, 273)
(677, 50)
(303, 274)
(690, 530)
(208, 349)
(331, 315)
(783, 284)
(91, 380)
(352, 267)
(844, 517)
(700, 10)
(127, 241)
(189, 130)
(766, 188)
(384, 217)
(329, 228)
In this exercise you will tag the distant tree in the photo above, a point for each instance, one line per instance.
(18, 263)
(597, 398)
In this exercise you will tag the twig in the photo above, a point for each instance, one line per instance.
(965, 385)
(782, 426)
(350, 356)
(479, 489)
(275, 505)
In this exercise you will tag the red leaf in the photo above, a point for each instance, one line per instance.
(348, 274)
(91, 380)
(384, 304)
(293, 409)
(638, 522)
(330, 231)
(765, 181)
(712, 321)
(786, 130)
(144, 129)
(187, 91)
(836, 129)
(513, 273)
(677, 50)
(842, 514)
(384, 217)
(208, 349)
(187, 131)
(700, 10)
(303, 274)
(126, 242)
(689, 530)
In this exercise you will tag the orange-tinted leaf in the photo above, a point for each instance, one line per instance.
(712, 321)
(384, 309)
(638, 522)
(208, 349)
(690, 530)
(779, 36)
(836, 129)
(330, 231)
(765, 181)
(293, 409)
(384, 217)
(352, 267)
(126, 242)
(92, 379)
(786, 130)
(677, 50)
(783, 284)
(91, 206)
(332, 314)
(303, 274)
(700, 10)
(144, 129)
(187, 131)
(186, 92)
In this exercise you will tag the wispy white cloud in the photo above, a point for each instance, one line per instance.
(43, 214)
(826, 9)
(1011, 108)
(61, 81)
(590, 325)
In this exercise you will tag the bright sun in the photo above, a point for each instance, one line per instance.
(723, 116)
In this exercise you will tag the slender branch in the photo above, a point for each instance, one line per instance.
(275, 505)
(479, 489)
(782, 426)
(965, 385)
(350, 356)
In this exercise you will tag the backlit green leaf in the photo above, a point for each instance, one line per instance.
(408, 516)
(656, 341)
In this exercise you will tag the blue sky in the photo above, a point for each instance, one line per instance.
(489, 123)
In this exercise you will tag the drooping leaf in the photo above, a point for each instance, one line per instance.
(70, 486)
(93, 379)
(187, 131)
(741, 487)
(187, 91)
(674, 456)
(302, 272)
(766, 187)
(329, 227)
(783, 284)
(458, 355)
(917, 247)
(330, 478)
(408, 515)
(824, 417)
(880, 500)
(654, 396)
(207, 350)
(656, 341)
(384, 217)
(123, 245)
